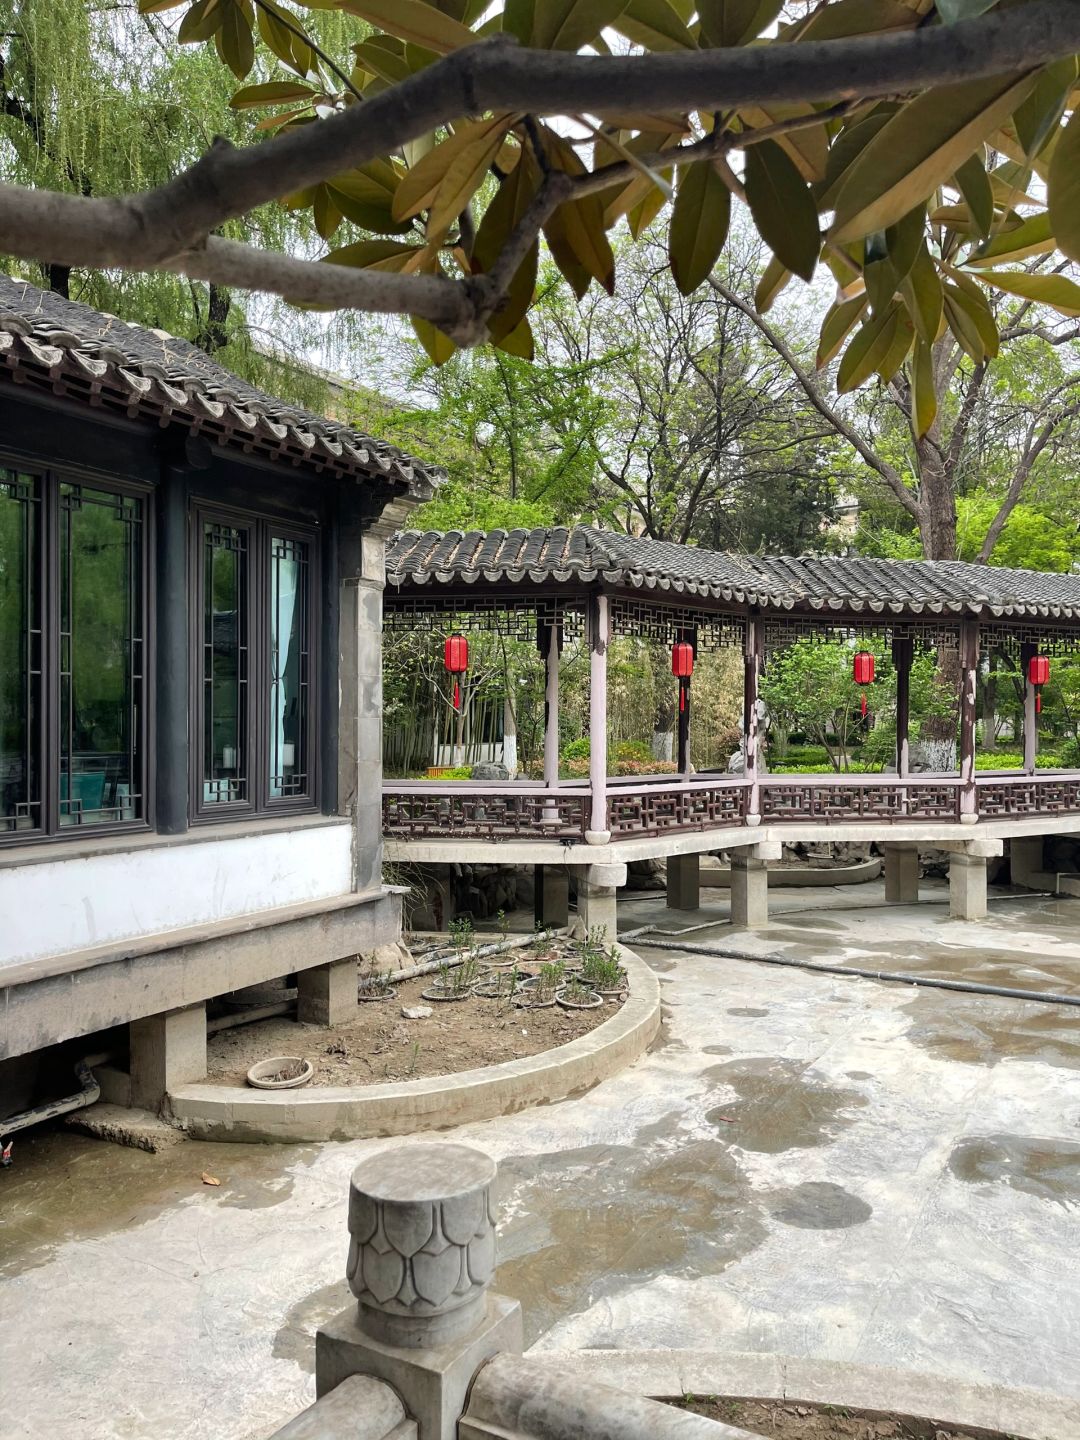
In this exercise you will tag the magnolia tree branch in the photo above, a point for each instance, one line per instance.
(169, 226)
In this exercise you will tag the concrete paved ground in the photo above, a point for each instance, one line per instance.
(804, 1164)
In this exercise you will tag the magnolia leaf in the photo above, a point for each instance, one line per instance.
(921, 290)
(276, 29)
(325, 210)
(902, 333)
(1057, 291)
(881, 282)
(963, 323)
(918, 149)
(500, 220)
(438, 346)
(1039, 116)
(200, 23)
(413, 20)
(1032, 237)
(576, 231)
(924, 405)
(844, 151)
(389, 255)
(699, 224)
(974, 185)
(656, 25)
(859, 17)
(734, 22)
(836, 327)
(782, 207)
(234, 40)
(275, 92)
(776, 276)
(904, 240)
(1063, 189)
(154, 7)
(641, 216)
(953, 10)
(973, 298)
(570, 24)
(867, 350)
(809, 148)
(447, 177)
(519, 342)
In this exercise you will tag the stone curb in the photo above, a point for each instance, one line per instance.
(805, 877)
(346, 1112)
(1030, 1414)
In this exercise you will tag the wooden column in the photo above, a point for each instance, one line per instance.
(969, 664)
(903, 650)
(550, 648)
(1031, 719)
(599, 633)
(755, 650)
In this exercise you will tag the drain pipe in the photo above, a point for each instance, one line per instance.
(968, 987)
(88, 1092)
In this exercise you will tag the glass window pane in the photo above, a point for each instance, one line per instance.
(101, 656)
(20, 653)
(225, 663)
(289, 771)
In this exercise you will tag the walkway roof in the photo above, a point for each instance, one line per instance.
(51, 343)
(559, 558)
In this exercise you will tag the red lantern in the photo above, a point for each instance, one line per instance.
(682, 667)
(456, 660)
(863, 672)
(1038, 674)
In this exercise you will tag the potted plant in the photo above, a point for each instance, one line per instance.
(577, 995)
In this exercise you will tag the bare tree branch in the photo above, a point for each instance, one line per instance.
(828, 412)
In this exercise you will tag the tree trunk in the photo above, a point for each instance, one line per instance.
(938, 526)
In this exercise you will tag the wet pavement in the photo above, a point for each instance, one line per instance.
(810, 1165)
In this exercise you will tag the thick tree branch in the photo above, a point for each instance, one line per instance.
(1036, 445)
(145, 231)
(813, 393)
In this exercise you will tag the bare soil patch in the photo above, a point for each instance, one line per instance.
(380, 1044)
(784, 1420)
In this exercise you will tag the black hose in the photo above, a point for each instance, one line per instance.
(971, 987)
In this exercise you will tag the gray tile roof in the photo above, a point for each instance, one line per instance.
(68, 348)
(809, 582)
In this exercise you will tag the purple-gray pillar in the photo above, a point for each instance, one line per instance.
(755, 649)
(903, 650)
(969, 665)
(551, 709)
(1031, 719)
(599, 630)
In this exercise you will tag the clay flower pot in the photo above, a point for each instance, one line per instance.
(283, 1072)
(593, 1001)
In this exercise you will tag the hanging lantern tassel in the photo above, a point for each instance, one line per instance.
(1038, 676)
(863, 673)
(456, 661)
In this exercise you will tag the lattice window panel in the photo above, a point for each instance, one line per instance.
(1032, 796)
(513, 621)
(780, 633)
(659, 812)
(649, 620)
(1048, 639)
(494, 815)
(893, 801)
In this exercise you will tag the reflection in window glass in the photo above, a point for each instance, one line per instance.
(101, 659)
(20, 653)
(288, 667)
(225, 663)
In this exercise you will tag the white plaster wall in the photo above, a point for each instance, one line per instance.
(53, 907)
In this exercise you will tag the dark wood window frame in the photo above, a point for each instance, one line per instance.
(260, 527)
(50, 481)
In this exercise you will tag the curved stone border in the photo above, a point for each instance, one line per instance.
(349, 1112)
(857, 873)
(672, 1374)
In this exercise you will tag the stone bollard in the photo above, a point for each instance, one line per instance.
(421, 1259)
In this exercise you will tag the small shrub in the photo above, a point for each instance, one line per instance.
(461, 933)
(602, 971)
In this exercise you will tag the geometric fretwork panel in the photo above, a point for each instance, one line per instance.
(443, 812)
(1046, 639)
(655, 810)
(1031, 795)
(780, 633)
(512, 620)
(893, 800)
(647, 620)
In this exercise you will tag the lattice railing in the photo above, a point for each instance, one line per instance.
(851, 798)
(661, 809)
(1027, 795)
(442, 812)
